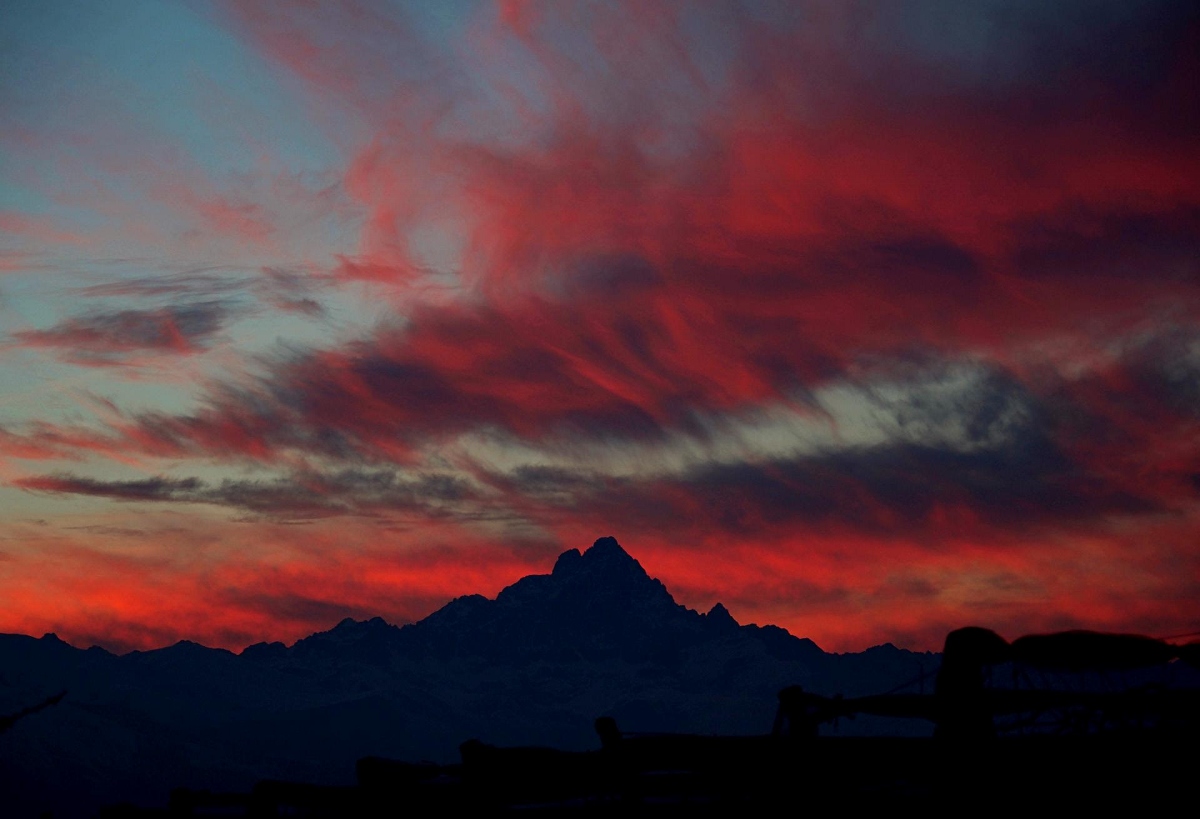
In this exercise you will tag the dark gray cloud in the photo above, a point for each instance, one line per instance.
(1122, 242)
(988, 456)
(199, 282)
(881, 490)
(290, 291)
(307, 495)
(112, 338)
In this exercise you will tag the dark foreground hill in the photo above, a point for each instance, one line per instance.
(535, 666)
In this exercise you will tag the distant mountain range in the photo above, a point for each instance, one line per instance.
(597, 636)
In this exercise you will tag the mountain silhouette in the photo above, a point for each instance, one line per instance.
(598, 605)
(594, 606)
(597, 636)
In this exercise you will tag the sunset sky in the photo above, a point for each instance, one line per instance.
(870, 320)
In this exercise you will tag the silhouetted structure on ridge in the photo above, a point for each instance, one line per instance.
(962, 712)
(965, 707)
(800, 714)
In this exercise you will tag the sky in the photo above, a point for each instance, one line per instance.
(870, 320)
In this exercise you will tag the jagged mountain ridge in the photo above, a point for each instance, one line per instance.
(536, 665)
(594, 606)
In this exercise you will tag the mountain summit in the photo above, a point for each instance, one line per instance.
(600, 604)
(604, 566)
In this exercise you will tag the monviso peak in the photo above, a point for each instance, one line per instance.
(605, 578)
(598, 603)
(605, 561)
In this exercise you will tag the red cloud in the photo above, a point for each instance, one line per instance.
(668, 217)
